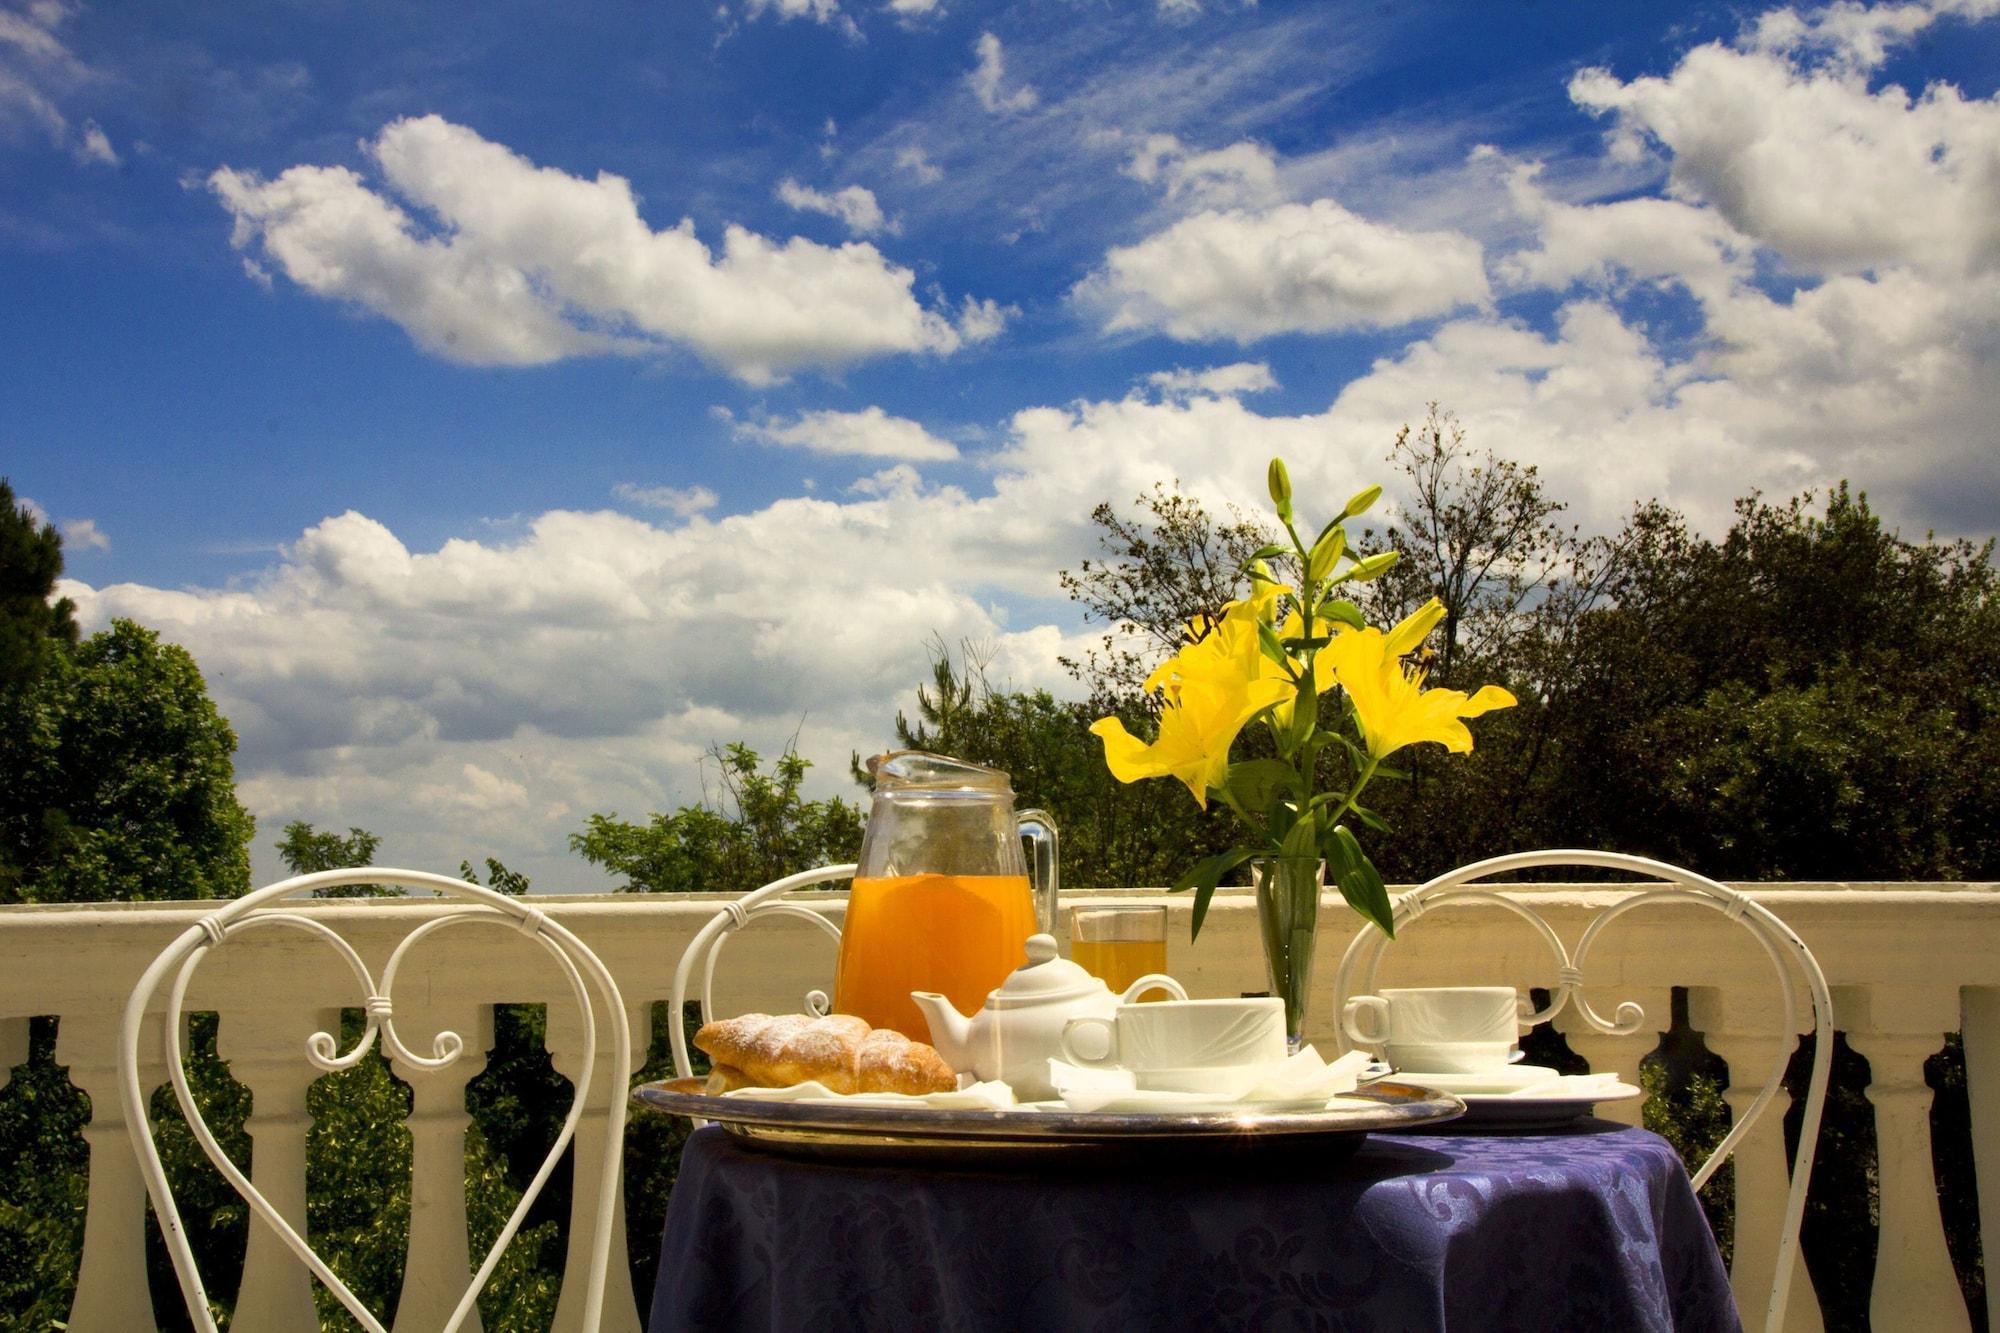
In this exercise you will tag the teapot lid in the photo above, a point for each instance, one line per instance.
(1044, 977)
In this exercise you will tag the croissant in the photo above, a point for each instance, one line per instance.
(839, 1050)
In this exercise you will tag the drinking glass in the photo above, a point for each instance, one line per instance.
(1118, 945)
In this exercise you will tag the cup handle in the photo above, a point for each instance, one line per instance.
(1153, 981)
(1106, 1044)
(1356, 1030)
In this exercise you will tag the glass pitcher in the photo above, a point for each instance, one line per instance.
(942, 898)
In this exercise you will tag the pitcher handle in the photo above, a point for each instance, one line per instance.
(1038, 830)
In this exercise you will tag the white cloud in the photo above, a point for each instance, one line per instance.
(987, 76)
(1179, 11)
(525, 265)
(83, 534)
(825, 12)
(913, 160)
(37, 72)
(853, 205)
(1221, 381)
(1630, 240)
(682, 501)
(869, 433)
(1242, 175)
(1831, 174)
(914, 9)
(1296, 268)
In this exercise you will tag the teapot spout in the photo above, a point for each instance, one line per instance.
(950, 1030)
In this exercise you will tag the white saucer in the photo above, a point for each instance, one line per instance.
(1505, 1081)
(1546, 1105)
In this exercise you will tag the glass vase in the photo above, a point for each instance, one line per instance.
(1288, 891)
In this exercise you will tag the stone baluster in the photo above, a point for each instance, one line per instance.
(1744, 1029)
(1982, 1084)
(265, 1046)
(1897, 1028)
(111, 1291)
(439, 1264)
(565, 1044)
(1619, 1055)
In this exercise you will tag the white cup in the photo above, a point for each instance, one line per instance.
(1438, 1029)
(1173, 1037)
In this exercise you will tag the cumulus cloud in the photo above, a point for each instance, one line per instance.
(1644, 239)
(869, 433)
(1221, 381)
(508, 263)
(1244, 174)
(1810, 160)
(988, 75)
(682, 501)
(854, 206)
(1295, 268)
(83, 534)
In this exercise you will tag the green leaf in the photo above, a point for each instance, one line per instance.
(1270, 552)
(1273, 646)
(1257, 783)
(1204, 877)
(1342, 610)
(1369, 817)
(1359, 882)
(1302, 843)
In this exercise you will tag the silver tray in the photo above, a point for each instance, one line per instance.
(827, 1129)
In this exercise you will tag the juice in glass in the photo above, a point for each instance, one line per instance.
(1119, 963)
(959, 935)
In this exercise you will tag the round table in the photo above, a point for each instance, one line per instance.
(1590, 1227)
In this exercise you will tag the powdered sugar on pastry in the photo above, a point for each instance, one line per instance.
(840, 1051)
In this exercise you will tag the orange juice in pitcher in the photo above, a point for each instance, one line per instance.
(943, 899)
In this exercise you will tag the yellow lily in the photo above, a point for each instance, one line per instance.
(1393, 706)
(1210, 689)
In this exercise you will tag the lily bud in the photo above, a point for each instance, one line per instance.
(1374, 567)
(1280, 482)
(1363, 501)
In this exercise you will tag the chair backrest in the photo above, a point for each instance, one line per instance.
(596, 996)
(706, 947)
(1669, 884)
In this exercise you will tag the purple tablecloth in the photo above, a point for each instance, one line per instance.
(1591, 1228)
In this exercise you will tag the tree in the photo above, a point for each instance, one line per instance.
(755, 829)
(31, 625)
(305, 851)
(1165, 568)
(116, 779)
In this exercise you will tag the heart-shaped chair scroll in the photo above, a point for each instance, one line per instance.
(1669, 884)
(588, 979)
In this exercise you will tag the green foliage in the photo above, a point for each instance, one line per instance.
(306, 851)
(43, 1187)
(116, 780)
(756, 830)
(32, 627)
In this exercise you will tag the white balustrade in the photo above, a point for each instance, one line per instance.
(1903, 959)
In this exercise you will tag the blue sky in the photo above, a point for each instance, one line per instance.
(505, 406)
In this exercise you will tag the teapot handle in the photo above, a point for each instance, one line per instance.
(1038, 830)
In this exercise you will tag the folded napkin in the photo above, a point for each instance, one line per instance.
(1302, 1079)
(993, 1096)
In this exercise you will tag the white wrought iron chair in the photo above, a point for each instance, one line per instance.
(1669, 884)
(706, 947)
(587, 978)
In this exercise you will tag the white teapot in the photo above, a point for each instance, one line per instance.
(1013, 1037)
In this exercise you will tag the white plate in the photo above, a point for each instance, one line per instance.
(1502, 1082)
(1543, 1109)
